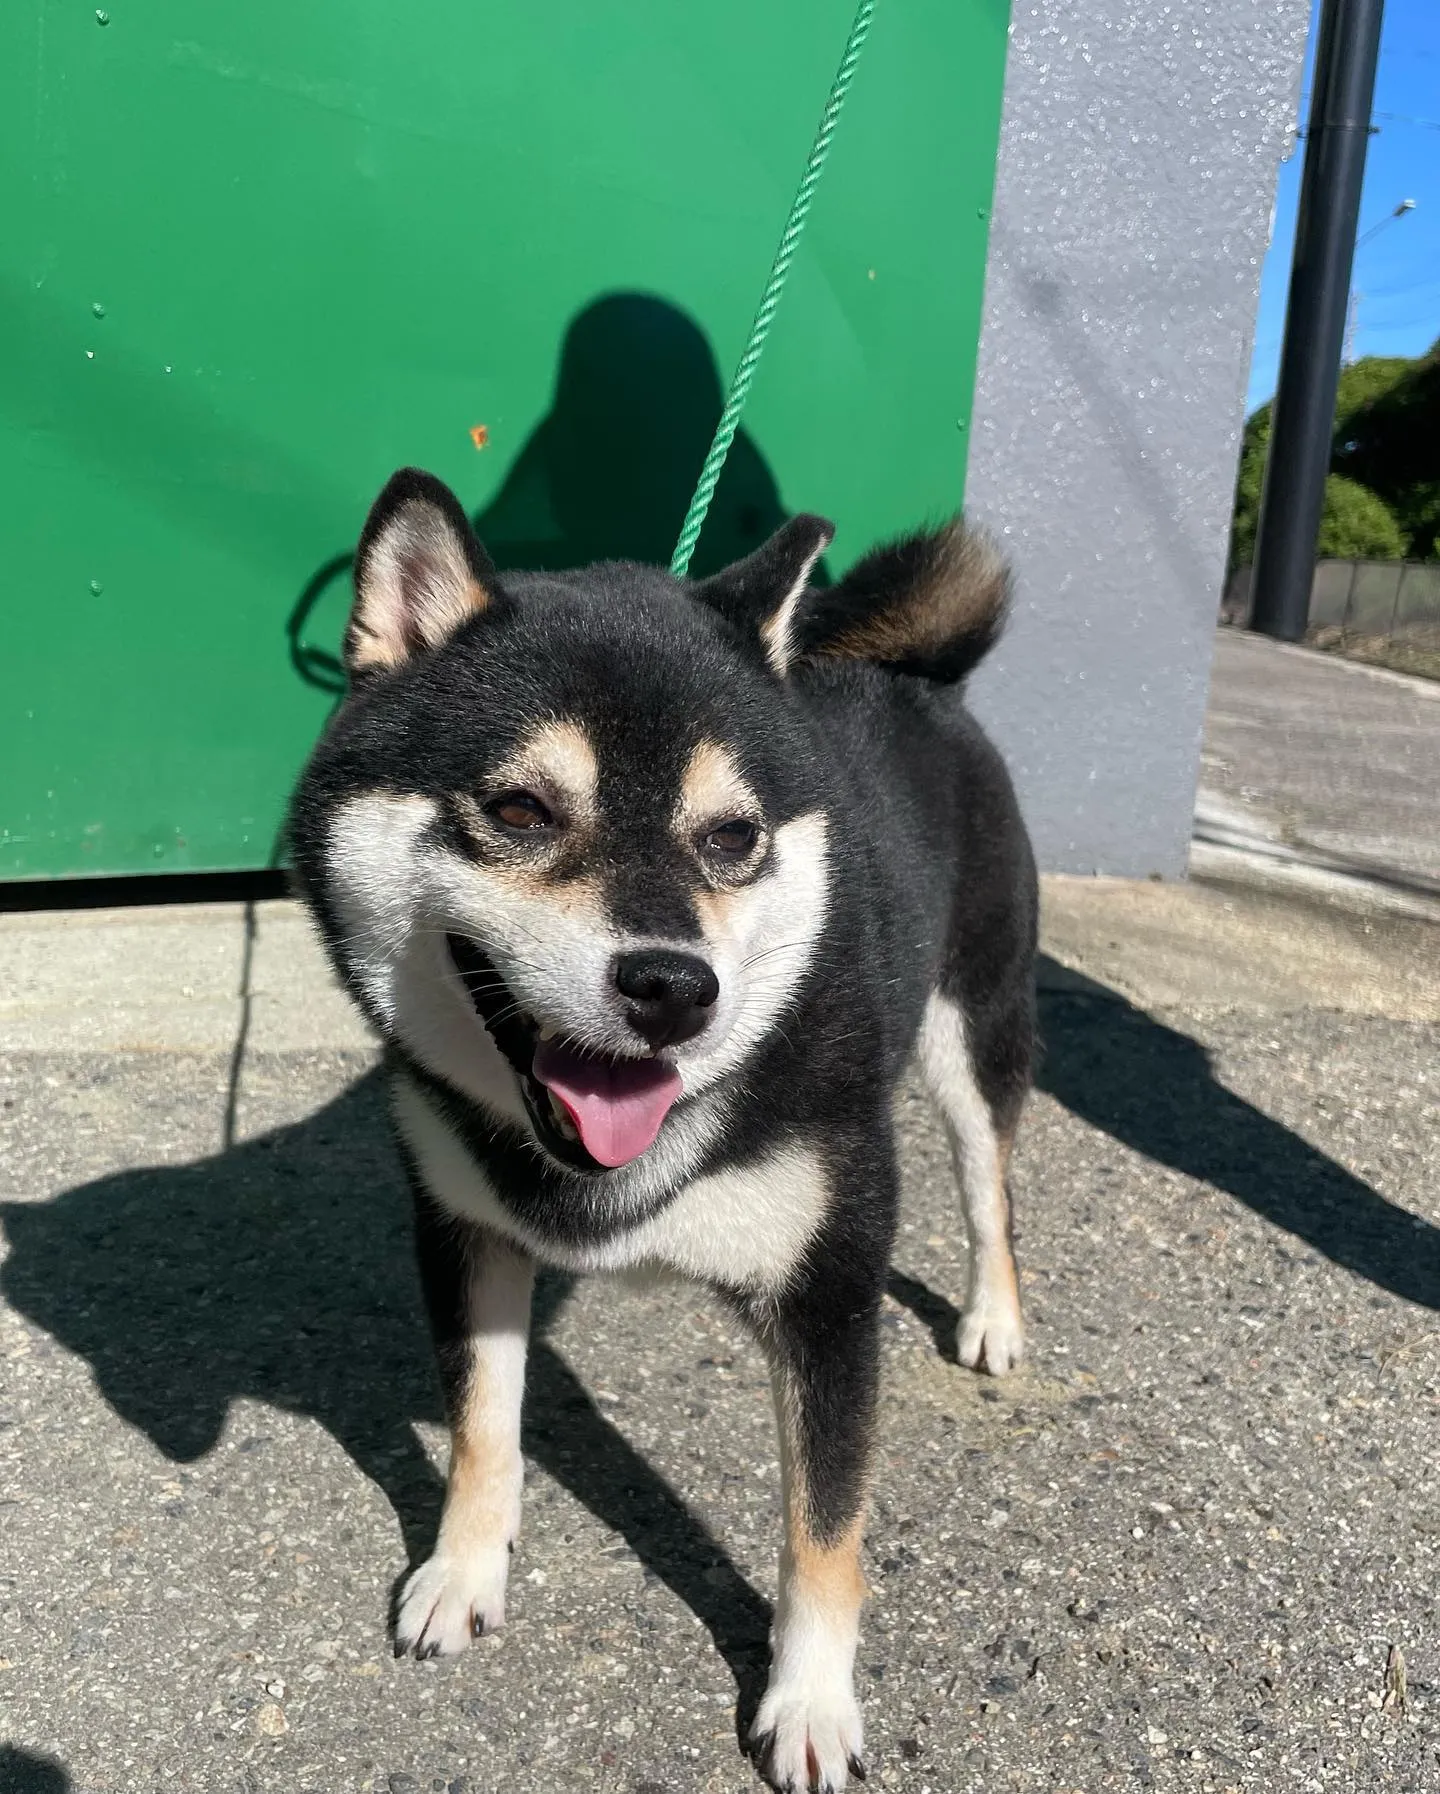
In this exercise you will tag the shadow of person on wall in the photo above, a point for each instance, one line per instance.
(608, 473)
(281, 1271)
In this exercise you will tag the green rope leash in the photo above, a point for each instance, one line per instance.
(770, 298)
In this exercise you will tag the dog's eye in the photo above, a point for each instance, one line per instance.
(519, 810)
(731, 840)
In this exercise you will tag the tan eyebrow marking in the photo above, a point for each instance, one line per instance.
(558, 758)
(712, 790)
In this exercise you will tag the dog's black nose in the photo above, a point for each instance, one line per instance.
(671, 994)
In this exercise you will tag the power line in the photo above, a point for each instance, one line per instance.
(1402, 289)
(1430, 319)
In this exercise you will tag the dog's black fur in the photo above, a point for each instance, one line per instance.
(848, 707)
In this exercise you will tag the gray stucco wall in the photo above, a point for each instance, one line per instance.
(1138, 162)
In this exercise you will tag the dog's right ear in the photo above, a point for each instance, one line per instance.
(420, 572)
(761, 595)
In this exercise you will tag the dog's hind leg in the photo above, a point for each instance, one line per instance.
(477, 1291)
(981, 1103)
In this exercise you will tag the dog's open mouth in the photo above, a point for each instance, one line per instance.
(589, 1110)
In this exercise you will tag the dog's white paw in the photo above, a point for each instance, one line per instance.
(449, 1600)
(992, 1336)
(808, 1737)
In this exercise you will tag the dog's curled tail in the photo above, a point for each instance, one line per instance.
(932, 604)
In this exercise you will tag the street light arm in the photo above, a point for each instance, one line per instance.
(1405, 205)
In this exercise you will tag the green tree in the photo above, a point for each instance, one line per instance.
(1389, 438)
(1357, 524)
(1382, 499)
(1417, 509)
(1363, 384)
(1354, 525)
(1254, 447)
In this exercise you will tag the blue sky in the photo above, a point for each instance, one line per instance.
(1398, 272)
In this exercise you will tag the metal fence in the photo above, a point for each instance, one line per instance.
(1394, 602)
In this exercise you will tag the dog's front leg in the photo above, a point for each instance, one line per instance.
(477, 1291)
(823, 1347)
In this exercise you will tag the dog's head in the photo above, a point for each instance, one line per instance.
(566, 837)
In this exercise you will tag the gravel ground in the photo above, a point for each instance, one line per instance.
(1178, 1551)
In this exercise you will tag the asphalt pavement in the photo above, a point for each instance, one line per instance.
(1192, 1545)
(1320, 774)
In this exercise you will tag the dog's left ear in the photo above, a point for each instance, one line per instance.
(420, 573)
(761, 595)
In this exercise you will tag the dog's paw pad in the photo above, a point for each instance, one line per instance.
(450, 1600)
(992, 1338)
(808, 1742)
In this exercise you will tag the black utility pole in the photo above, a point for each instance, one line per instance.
(1303, 418)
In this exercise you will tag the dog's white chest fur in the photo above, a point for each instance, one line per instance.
(747, 1228)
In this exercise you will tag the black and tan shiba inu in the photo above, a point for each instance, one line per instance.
(653, 887)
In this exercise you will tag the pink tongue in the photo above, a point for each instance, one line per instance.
(616, 1104)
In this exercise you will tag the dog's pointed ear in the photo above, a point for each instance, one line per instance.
(760, 595)
(420, 572)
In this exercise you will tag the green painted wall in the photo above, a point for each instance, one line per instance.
(255, 257)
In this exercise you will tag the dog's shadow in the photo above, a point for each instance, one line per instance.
(26, 1772)
(1155, 1089)
(281, 1271)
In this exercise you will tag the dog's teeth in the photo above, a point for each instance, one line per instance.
(547, 1032)
(561, 1116)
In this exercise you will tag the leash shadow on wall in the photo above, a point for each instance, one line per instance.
(606, 475)
(1114, 421)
